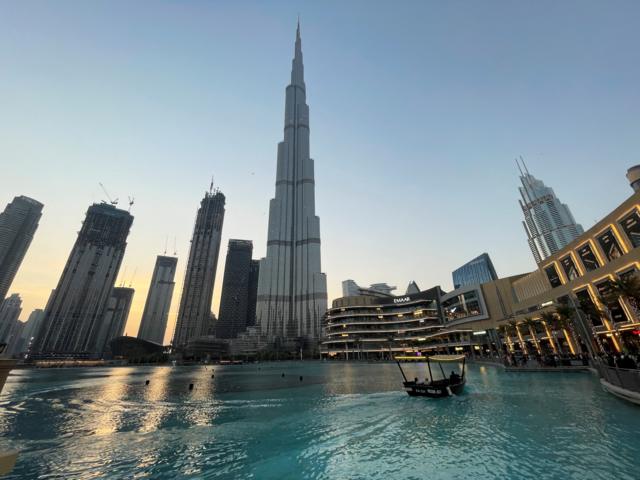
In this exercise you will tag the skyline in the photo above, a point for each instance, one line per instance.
(351, 170)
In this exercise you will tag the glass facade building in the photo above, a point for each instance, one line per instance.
(478, 270)
(549, 224)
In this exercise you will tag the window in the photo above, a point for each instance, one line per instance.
(569, 267)
(617, 313)
(588, 258)
(552, 275)
(631, 226)
(610, 245)
(588, 307)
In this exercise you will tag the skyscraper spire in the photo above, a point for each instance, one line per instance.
(297, 68)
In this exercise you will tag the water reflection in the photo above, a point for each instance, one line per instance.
(340, 421)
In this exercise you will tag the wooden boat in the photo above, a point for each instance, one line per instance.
(442, 387)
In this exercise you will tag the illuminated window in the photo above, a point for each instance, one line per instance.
(569, 267)
(610, 245)
(631, 226)
(589, 260)
(552, 275)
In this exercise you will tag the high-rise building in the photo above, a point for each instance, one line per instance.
(75, 311)
(115, 317)
(194, 314)
(412, 288)
(18, 224)
(478, 270)
(549, 223)
(10, 309)
(31, 328)
(292, 290)
(350, 288)
(235, 303)
(156, 308)
(254, 276)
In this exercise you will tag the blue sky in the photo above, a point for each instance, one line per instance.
(418, 110)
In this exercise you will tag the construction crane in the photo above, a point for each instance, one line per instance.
(112, 202)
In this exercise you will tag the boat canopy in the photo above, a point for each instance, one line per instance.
(432, 358)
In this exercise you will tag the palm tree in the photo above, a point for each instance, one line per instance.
(627, 287)
(565, 318)
(549, 321)
(514, 325)
(531, 323)
(505, 333)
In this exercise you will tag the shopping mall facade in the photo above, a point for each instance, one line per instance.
(506, 315)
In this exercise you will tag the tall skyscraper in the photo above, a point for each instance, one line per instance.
(548, 222)
(10, 309)
(115, 317)
(31, 328)
(235, 303)
(194, 314)
(478, 270)
(156, 308)
(292, 290)
(18, 224)
(254, 276)
(75, 311)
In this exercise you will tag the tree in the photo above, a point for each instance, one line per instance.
(551, 323)
(531, 324)
(627, 287)
(564, 314)
(514, 325)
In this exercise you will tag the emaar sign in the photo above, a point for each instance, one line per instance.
(401, 300)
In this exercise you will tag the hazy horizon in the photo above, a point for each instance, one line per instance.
(417, 111)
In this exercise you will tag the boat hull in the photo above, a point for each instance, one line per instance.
(433, 391)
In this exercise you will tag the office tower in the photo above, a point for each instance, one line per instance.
(75, 311)
(350, 288)
(235, 312)
(156, 308)
(31, 328)
(412, 288)
(478, 270)
(18, 224)
(10, 309)
(254, 276)
(292, 290)
(115, 317)
(194, 314)
(548, 222)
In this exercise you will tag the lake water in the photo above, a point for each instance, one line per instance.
(341, 421)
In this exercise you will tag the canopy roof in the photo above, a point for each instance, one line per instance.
(433, 358)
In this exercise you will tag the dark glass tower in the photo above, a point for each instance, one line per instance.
(18, 224)
(75, 312)
(194, 314)
(237, 304)
(478, 270)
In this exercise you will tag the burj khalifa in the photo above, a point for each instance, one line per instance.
(292, 290)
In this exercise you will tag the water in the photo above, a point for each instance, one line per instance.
(342, 421)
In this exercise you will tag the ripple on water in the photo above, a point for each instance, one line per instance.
(342, 421)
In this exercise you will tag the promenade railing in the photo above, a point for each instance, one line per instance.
(626, 378)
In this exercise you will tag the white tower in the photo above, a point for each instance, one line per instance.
(292, 290)
(548, 222)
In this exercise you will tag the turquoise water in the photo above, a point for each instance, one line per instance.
(341, 421)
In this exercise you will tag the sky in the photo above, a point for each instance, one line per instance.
(417, 109)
